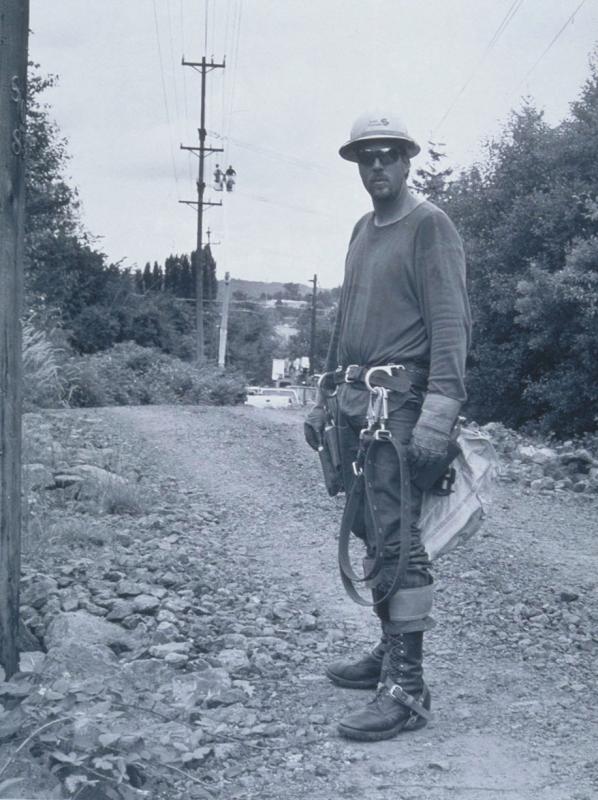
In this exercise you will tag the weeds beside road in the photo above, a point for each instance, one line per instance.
(219, 603)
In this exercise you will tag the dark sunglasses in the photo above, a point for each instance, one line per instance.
(367, 156)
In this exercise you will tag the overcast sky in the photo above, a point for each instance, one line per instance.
(297, 74)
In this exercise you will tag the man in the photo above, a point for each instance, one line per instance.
(403, 303)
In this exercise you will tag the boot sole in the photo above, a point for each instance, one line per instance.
(371, 683)
(377, 736)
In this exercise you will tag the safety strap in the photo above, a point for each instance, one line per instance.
(401, 696)
(372, 437)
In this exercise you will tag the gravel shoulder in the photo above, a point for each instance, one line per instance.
(511, 663)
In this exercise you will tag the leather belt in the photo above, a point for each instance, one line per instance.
(356, 373)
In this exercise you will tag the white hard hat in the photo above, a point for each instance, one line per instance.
(371, 126)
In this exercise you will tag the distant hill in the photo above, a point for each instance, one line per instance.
(253, 289)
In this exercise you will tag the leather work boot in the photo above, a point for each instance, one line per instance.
(402, 701)
(362, 674)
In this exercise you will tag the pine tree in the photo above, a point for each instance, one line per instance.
(157, 277)
(147, 277)
(431, 180)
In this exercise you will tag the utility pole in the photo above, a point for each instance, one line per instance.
(203, 67)
(14, 31)
(224, 321)
(312, 338)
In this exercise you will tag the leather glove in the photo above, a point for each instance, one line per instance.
(314, 425)
(432, 432)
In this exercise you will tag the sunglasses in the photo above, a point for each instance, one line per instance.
(367, 156)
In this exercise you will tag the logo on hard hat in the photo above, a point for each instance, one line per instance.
(375, 122)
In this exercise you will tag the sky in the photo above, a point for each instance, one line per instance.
(297, 74)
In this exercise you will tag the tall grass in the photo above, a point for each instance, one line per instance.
(44, 382)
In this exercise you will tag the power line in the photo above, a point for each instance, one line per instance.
(206, 6)
(513, 9)
(554, 40)
(164, 93)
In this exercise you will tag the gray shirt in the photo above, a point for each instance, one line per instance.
(404, 298)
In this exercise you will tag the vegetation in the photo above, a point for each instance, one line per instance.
(529, 218)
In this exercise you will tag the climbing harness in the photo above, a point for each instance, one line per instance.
(379, 381)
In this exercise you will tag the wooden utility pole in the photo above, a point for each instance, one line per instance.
(312, 338)
(14, 30)
(203, 67)
(224, 321)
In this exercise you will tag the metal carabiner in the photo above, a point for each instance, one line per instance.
(321, 386)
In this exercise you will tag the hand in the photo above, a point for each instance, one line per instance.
(425, 451)
(314, 425)
(431, 435)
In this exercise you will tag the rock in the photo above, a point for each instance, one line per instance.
(176, 659)
(78, 662)
(536, 455)
(83, 628)
(165, 632)
(581, 460)
(69, 601)
(233, 640)
(568, 596)
(307, 622)
(11, 724)
(126, 588)
(146, 604)
(31, 661)
(162, 650)
(120, 610)
(543, 483)
(169, 579)
(36, 589)
(233, 659)
(36, 476)
(580, 486)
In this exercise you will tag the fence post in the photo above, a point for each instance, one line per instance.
(14, 30)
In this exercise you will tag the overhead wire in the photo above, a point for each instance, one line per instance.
(164, 93)
(185, 100)
(554, 40)
(506, 20)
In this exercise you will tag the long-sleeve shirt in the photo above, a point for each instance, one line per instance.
(404, 299)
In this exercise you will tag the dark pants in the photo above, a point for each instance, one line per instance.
(385, 486)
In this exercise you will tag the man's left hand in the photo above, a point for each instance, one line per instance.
(431, 435)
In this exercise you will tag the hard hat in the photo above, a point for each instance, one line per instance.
(371, 126)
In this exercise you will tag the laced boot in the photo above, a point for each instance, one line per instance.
(362, 674)
(402, 701)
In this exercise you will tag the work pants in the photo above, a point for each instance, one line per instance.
(385, 490)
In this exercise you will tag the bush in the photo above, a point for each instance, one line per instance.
(129, 374)
(44, 382)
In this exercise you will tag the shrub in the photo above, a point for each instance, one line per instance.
(44, 382)
(129, 374)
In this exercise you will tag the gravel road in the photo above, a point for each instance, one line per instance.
(511, 663)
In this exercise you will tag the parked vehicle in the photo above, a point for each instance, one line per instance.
(271, 397)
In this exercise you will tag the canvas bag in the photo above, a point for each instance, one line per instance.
(448, 520)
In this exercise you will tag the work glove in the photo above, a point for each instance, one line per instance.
(313, 427)
(431, 435)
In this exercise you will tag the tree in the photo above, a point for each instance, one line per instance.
(431, 180)
(299, 344)
(528, 218)
(252, 341)
(292, 291)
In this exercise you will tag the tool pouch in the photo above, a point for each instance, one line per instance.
(332, 444)
(332, 473)
(440, 476)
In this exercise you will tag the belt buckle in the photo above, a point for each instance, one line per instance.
(348, 378)
(387, 369)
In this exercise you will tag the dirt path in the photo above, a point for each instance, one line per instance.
(511, 663)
